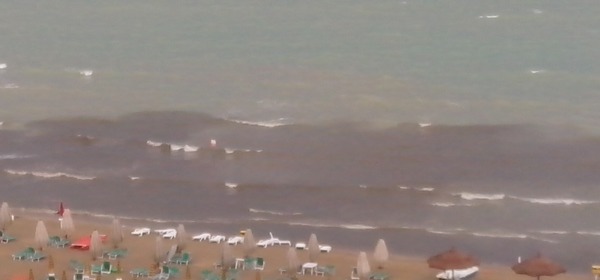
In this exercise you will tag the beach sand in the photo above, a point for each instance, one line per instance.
(204, 255)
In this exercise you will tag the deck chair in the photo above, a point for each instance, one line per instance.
(36, 257)
(139, 272)
(259, 264)
(95, 269)
(77, 266)
(78, 276)
(51, 276)
(6, 238)
(328, 270)
(184, 259)
(354, 274)
(23, 255)
(209, 275)
(106, 268)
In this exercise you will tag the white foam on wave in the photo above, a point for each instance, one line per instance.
(13, 156)
(589, 232)
(174, 147)
(234, 150)
(552, 232)
(270, 124)
(500, 235)
(537, 11)
(489, 16)
(345, 226)
(437, 231)
(273, 212)
(48, 175)
(231, 185)
(450, 204)
(420, 189)
(135, 178)
(3, 66)
(537, 71)
(480, 196)
(556, 201)
(10, 86)
(86, 72)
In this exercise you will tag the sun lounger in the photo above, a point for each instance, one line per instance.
(354, 274)
(6, 238)
(141, 231)
(209, 275)
(217, 239)
(325, 248)
(183, 259)
(328, 270)
(57, 242)
(459, 274)
(379, 276)
(116, 254)
(23, 255)
(106, 268)
(36, 257)
(202, 237)
(260, 264)
(77, 266)
(96, 269)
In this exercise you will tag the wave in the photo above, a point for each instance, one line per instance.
(10, 86)
(437, 231)
(556, 201)
(502, 235)
(269, 124)
(344, 226)
(135, 178)
(450, 204)
(173, 147)
(48, 175)
(13, 156)
(231, 185)
(420, 189)
(480, 196)
(489, 16)
(234, 150)
(588, 232)
(272, 212)
(549, 232)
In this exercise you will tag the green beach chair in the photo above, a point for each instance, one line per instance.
(260, 264)
(36, 257)
(6, 238)
(106, 268)
(23, 255)
(77, 266)
(184, 259)
(140, 272)
(95, 269)
(116, 254)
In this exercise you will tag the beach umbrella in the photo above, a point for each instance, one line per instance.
(5, 216)
(362, 266)
(95, 245)
(249, 243)
(452, 260)
(292, 262)
(182, 238)
(41, 235)
(117, 233)
(227, 258)
(159, 253)
(67, 225)
(313, 248)
(381, 254)
(538, 266)
(171, 253)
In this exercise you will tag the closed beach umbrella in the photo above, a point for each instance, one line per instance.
(313, 248)
(159, 252)
(292, 262)
(5, 216)
(227, 258)
(452, 260)
(95, 245)
(117, 233)
(538, 266)
(171, 253)
(249, 243)
(362, 266)
(41, 235)
(181, 238)
(67, 225)
(381, 254)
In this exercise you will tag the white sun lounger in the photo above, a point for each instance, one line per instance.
(459, 274)
(202, 237)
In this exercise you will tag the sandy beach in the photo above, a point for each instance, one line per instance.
(204, 255)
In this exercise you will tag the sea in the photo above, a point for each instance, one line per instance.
(430, 124)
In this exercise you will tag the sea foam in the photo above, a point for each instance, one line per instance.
(48, 175)
(480, 196)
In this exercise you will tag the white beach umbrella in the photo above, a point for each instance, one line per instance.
(362, 266)
(67, 225)
(117, 233)
(41, 235)
(381, 254)
(95, 245)
(227, 258)
(159, 252)
(292, 262)
(5, 216)
(171, 253)
(249, 243)
(313, 248)
(182, 237)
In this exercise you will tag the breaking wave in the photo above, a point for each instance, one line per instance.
(480, 196)
(14, 156)
(272, 212)
(269, 124)
(556, 201)
(48, 175)
(173, 147)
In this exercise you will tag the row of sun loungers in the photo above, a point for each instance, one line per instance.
(29, 254)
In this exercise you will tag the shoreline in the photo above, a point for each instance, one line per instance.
(399, 266)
